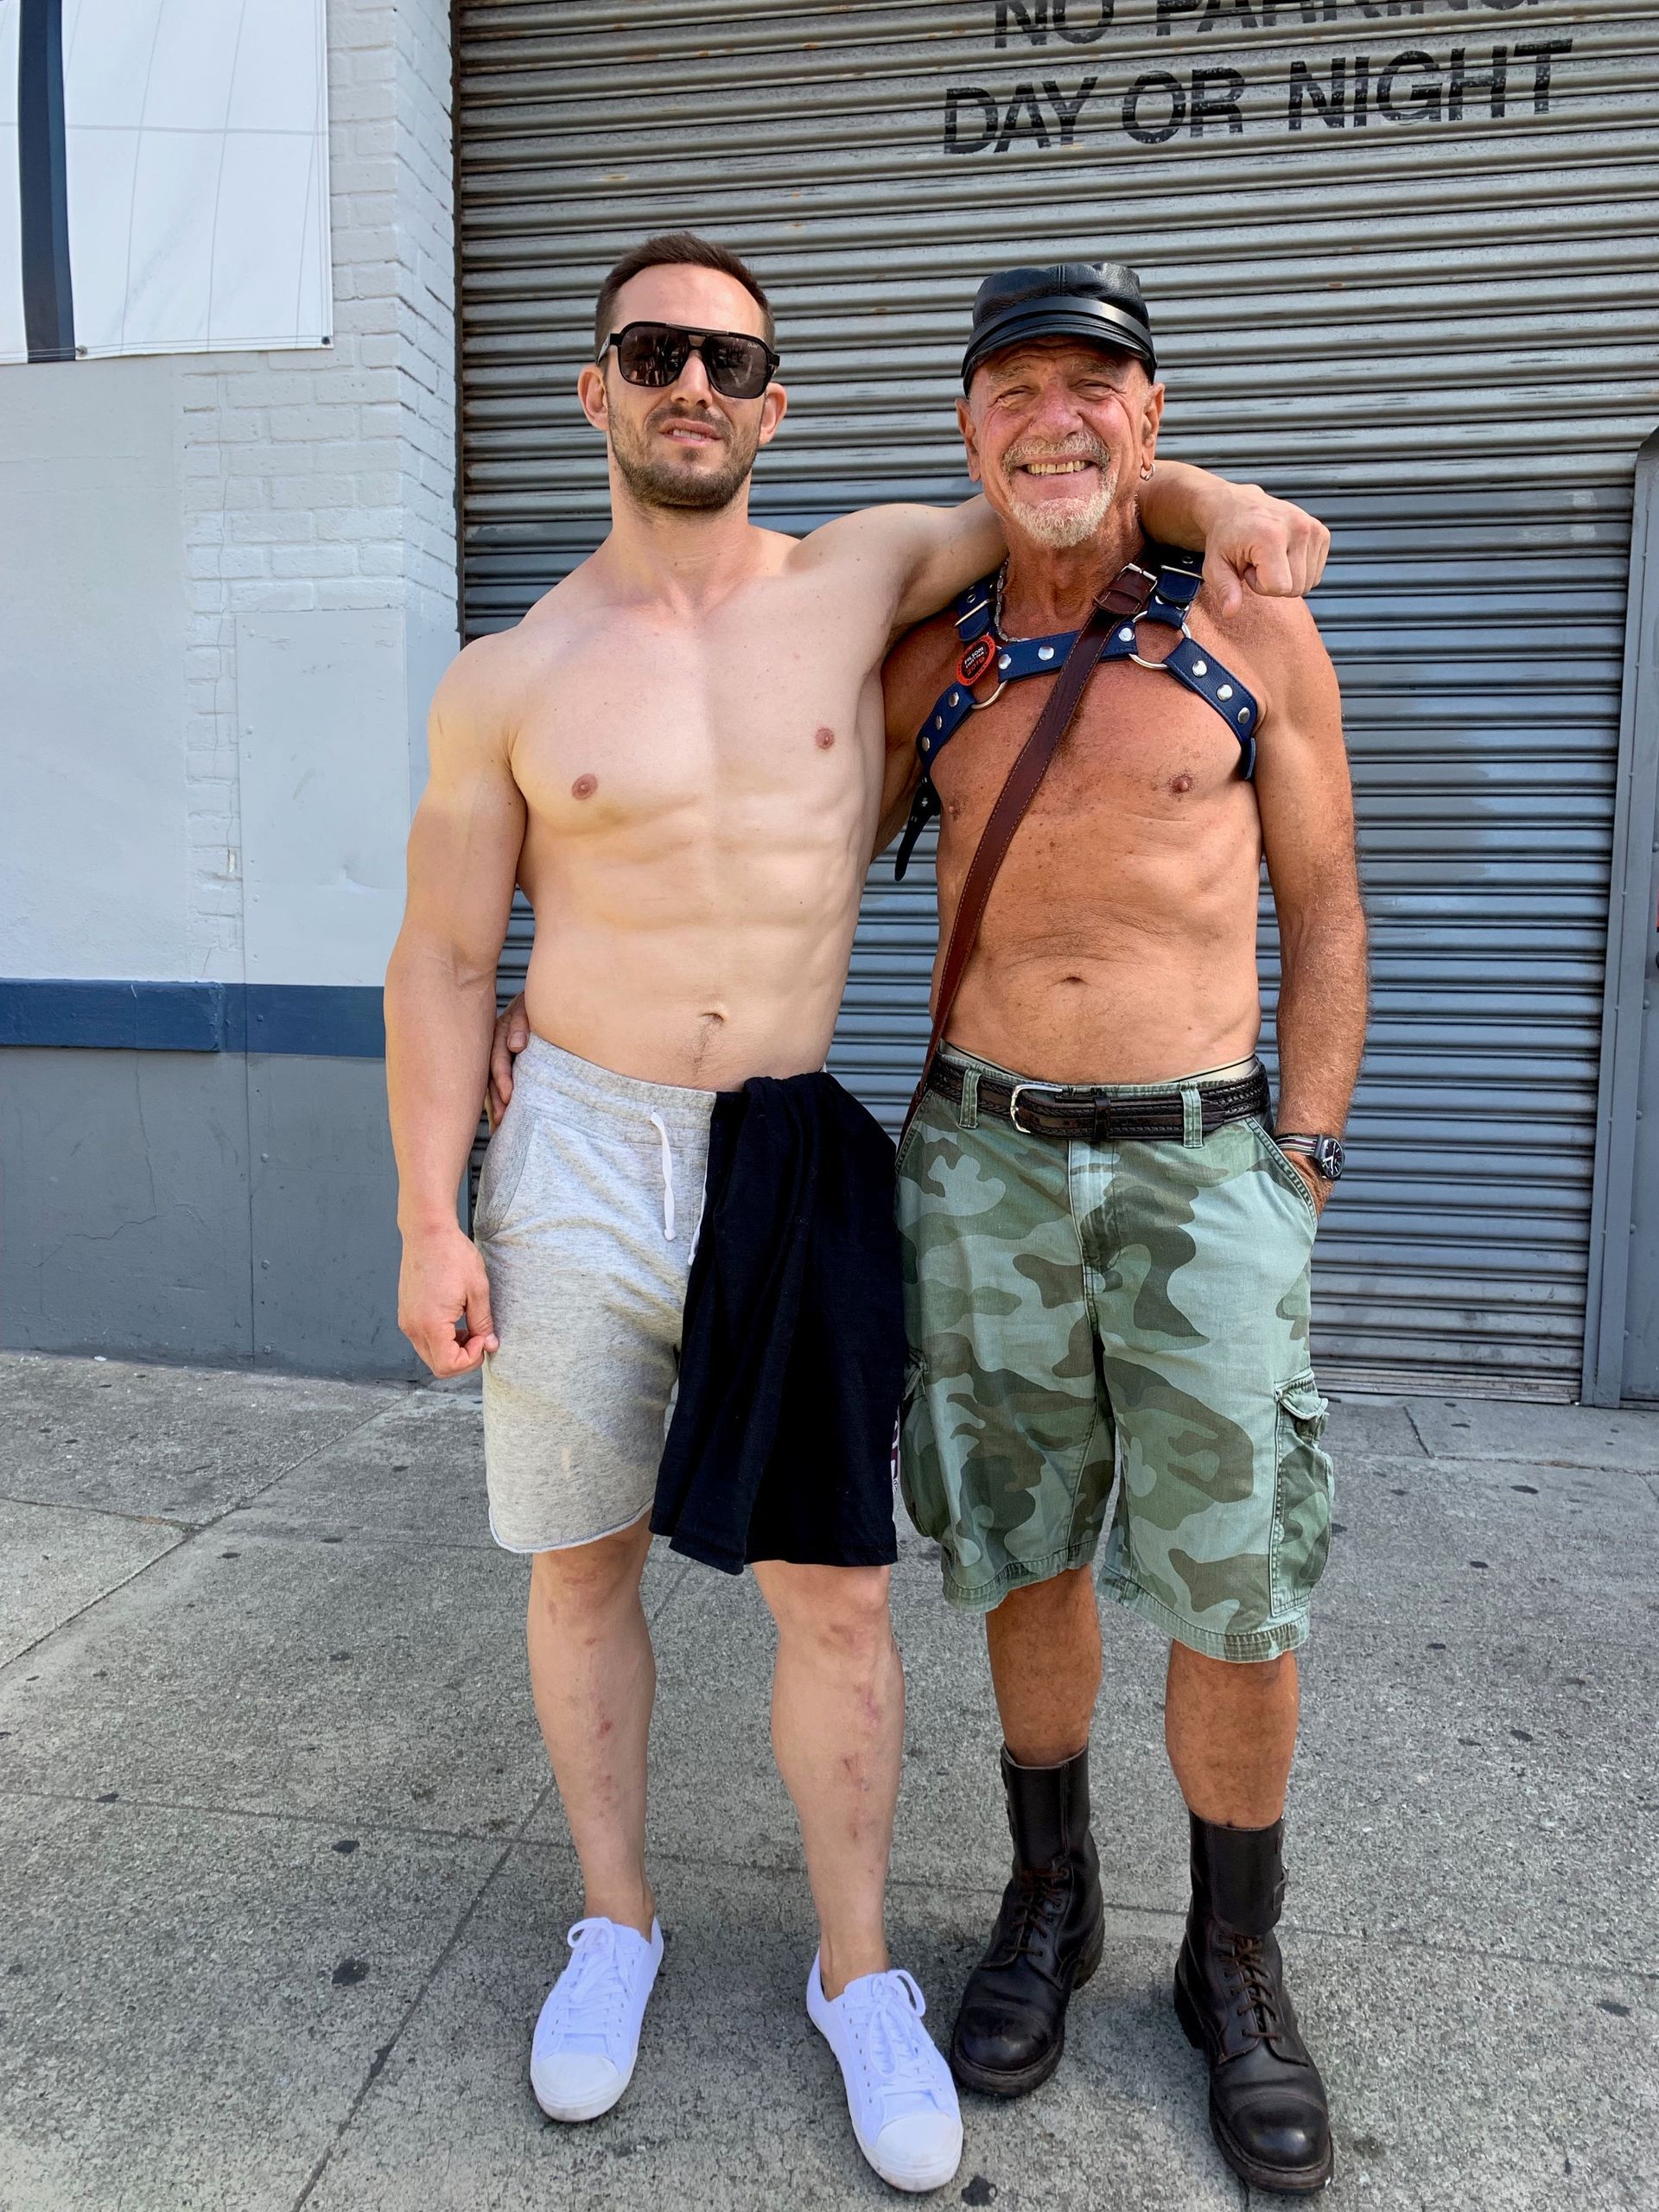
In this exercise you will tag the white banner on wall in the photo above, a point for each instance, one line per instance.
(163, 176)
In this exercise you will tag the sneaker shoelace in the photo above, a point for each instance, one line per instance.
(591, 1989)
(899, 2060)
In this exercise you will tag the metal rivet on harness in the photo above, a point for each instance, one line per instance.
(1001, 660)
(1200, 668)
(1045, 652)
(956, 698)
(1127, 636)
(1243, 714)
(1225, 692)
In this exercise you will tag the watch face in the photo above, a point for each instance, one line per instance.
(1329, 1159)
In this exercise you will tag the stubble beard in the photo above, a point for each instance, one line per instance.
(656, 483)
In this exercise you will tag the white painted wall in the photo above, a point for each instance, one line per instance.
(93, 833)
(155, 513)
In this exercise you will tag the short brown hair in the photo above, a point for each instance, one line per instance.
(676, 249)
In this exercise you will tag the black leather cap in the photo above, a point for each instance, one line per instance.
(1100, 301)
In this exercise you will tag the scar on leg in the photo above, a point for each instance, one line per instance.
(823, 737)
(584, 787)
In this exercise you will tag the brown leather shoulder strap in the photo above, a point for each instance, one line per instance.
(1120, 600)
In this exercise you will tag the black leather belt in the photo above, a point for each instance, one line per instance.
(1043, 1109)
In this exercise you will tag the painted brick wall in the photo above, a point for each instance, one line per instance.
(320, 480)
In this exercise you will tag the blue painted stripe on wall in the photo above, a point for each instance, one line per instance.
(315, 1020)
(324, 1021)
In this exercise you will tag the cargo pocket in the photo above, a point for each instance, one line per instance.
(1301, 1506)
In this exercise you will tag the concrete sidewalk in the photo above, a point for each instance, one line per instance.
(283, 1883)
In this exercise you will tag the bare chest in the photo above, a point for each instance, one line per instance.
(1145, 765)
(643, 720)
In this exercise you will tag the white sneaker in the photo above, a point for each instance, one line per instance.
(587, 2037)
(899, 2092)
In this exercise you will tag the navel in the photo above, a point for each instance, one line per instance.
(584, 787)
(823, 737)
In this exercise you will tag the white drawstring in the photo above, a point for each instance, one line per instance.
(661, 1128)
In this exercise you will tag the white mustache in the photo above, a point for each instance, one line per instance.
(1033, 449)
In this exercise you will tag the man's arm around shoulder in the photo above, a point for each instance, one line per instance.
(917, 559)
(914, 559)
(463, 860)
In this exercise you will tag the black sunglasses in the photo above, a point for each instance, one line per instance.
(653, 353)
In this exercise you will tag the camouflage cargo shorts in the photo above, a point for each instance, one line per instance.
(1079, 1311)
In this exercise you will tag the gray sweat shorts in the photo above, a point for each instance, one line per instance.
(588, 1207)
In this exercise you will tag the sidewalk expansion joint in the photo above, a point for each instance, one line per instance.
(193, 1532)
(330, 1820)
(1130, 1909)
(378, 2064)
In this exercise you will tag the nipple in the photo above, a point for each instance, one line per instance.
(823, 737)
(1182, 783)
(584, 787)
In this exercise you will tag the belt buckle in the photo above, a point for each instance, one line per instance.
(1013, 1102)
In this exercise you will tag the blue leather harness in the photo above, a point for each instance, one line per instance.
(1173, 577)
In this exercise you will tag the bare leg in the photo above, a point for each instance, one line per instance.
(838, 1734)
(1230, 1730)
(593, 1679)
(1044, 1641)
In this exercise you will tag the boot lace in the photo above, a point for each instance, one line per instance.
(1039, 1892)
(1256, 2006)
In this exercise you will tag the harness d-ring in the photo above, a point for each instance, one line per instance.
(1140, 659)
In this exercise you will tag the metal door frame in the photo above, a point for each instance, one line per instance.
(1630, 928)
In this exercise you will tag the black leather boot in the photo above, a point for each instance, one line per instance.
(1011, 2029)
(1268, 2109)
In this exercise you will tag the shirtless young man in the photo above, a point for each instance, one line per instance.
(679, 754)
(1109, 1269)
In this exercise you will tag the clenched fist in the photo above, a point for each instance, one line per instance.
(1263, 544)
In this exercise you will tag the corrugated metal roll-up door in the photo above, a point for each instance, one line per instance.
(1401, 257)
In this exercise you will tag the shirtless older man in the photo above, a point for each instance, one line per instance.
(1107, 1248)
(678, 752)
